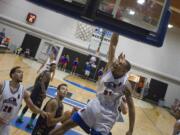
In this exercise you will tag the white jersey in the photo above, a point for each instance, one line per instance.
(109, 90)
(10, 102)
(47, 65)
(101, 113)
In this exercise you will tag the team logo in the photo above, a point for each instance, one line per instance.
(10, 100)
(31, 18)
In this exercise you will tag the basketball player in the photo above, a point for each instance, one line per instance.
(54, 107)
(38, 93)
(65, 62)
(75, 65)
(87, 71)
(12, 93)
(61, 62)
(100, 114)
(46, 65)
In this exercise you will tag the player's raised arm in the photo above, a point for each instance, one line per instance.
(112, 49)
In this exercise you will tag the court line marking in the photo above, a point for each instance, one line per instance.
(80, 86)
(26, 119)
(68, 101)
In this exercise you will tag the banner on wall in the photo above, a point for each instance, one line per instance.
(96, 40)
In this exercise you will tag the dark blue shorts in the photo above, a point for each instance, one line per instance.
(78, 120)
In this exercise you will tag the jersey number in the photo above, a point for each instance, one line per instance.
(7, 109)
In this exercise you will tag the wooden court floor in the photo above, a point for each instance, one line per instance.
(150, 119)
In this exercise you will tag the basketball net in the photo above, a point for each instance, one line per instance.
(84, 31)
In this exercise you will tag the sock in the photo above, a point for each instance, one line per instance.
(31, 122)
(21, 116)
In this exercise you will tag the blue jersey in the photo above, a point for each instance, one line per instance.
(88, 67)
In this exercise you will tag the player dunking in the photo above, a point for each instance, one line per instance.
(100, 114)
(12, 93)
(38, 93)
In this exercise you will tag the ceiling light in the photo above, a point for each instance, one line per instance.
(141, 2)
(101, 30)
(70, 1)
(132, 12)
(170, 26)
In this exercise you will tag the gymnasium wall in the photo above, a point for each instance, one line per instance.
(161, 63)
(59, 25)
(15, 35)
(72, 55)
(173, 90)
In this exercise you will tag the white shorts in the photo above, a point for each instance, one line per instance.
(97, 117)
(87, 72)
(4, 130)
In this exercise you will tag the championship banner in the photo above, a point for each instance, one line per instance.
(100, 38)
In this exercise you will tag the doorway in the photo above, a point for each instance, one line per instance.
(32, 43)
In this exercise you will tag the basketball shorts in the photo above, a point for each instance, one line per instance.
(95, 118)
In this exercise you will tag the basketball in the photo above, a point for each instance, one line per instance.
(66, 115)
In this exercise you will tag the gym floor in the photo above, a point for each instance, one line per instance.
(150, 119)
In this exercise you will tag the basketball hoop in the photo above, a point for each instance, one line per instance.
(84, 31)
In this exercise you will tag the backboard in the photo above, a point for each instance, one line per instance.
(142, 20)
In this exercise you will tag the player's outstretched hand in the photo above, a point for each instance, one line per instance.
(122, 58)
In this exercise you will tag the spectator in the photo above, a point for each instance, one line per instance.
(2, 35)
